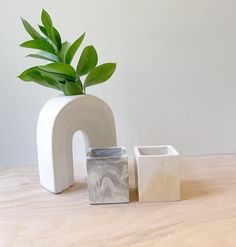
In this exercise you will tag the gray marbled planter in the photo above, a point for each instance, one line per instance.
(107, 170)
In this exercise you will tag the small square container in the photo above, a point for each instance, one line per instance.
(157, 173)
(107, 171)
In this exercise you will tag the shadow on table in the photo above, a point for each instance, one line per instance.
(133, 195)
(76, 187)
(195, 188)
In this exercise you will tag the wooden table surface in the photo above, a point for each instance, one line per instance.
(206, 215)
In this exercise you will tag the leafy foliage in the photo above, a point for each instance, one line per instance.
(59, 73)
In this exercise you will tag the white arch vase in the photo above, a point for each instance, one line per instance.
(58, 120)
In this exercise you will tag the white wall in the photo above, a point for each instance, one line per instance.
(175, 80)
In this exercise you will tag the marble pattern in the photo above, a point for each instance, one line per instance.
(107, 171)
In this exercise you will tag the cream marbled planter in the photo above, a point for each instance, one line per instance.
(157, 173)
(107, 171)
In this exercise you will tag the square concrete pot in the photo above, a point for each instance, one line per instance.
(107, 171)
(157, 173)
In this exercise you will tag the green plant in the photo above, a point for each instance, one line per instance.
(60, 74)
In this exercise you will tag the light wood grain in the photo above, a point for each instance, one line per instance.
(206, 215)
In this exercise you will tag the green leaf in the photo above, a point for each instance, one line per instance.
(45, 55)
(71, 88)
(64, 49)
(46, 19)
(43, 30)
(51, 82)
(60, 68)
(39, 44)
(57, 38)
(31, 31)
(26, 75)
(55, 76)
(100, 74)
(56, 34)
(32, 74)
(74, 47)
(88, 60)
(47, 22)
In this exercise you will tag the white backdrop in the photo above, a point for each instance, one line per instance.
(175, 78)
